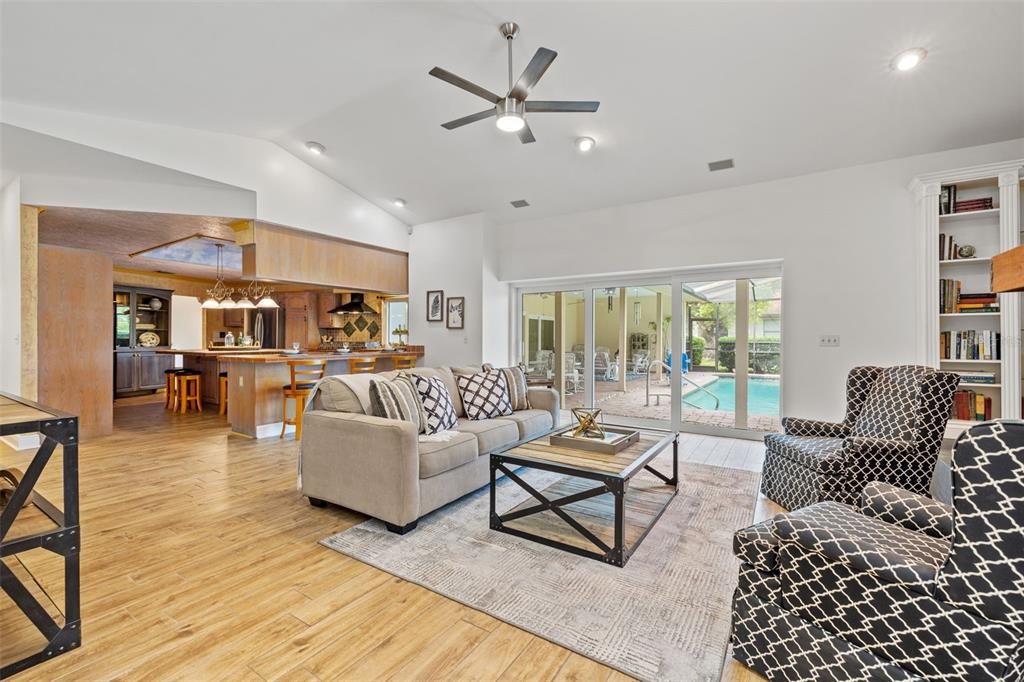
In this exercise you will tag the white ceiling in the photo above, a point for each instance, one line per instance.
(784, 88)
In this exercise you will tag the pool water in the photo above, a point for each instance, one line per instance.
(762, 396)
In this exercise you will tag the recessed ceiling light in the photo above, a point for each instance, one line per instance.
(399, 202)
(520, 203)
(585, 144)
(724, 164)
(908, 59)
(315, 148)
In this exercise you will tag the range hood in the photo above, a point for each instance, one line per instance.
(355, 306)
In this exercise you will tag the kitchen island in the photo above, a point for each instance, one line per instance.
(256, 378)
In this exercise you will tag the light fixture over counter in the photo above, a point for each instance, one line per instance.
(220, 296)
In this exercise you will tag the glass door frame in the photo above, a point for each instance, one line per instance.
(590, 284)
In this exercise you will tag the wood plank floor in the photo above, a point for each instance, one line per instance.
(201, 562)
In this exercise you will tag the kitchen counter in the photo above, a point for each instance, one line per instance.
(256, 377)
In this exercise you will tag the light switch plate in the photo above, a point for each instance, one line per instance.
(829, 340)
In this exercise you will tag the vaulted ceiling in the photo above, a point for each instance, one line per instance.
(784, 88)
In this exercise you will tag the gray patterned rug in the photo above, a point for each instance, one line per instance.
(664, 616)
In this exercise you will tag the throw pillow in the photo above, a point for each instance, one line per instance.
(438, 410)
(484, 394)
(397, 399)
(515, 380)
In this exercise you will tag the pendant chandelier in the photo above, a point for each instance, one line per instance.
(220, 296)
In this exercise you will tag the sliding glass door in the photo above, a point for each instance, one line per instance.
(688, 353)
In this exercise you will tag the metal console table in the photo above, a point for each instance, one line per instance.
(20, 416)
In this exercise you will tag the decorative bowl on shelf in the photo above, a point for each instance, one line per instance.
(149, 339)
(156, 303)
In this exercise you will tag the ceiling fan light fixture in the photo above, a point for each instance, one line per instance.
(908, 59)
(315, 148)
(585, 144)
(510, 115)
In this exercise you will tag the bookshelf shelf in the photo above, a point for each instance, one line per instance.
(946, 282)
(964, 261)
(963, 215)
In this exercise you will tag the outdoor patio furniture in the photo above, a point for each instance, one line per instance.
(545, 361)
(639, 363)
(604, 368)
(573, 380)
(906, 588)
(895, 418)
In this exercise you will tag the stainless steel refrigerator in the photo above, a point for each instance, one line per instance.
(265, 325)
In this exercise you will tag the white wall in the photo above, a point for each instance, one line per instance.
(10, 287)
(186, 324)
(289, 192)
(846, 238)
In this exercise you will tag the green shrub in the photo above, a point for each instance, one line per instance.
(765, 353)
(695, 349)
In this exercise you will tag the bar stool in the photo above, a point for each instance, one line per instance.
(403, 361)
(189, 389)
(362, 365)
(305, 374)
(223, 393)
(171, 388)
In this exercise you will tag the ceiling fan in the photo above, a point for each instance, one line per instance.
(511, 109)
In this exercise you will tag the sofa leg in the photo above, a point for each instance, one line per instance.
(401, 530)
(317, 502)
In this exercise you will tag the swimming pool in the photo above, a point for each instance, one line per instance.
(762, 396)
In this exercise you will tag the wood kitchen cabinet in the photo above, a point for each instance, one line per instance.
(325, 319)
(140, 371)
(301, 320)
(234, 317)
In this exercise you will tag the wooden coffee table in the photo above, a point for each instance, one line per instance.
(606, 521)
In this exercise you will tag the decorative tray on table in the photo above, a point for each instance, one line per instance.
(589, 434)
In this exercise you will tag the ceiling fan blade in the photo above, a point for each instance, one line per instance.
(525, 134)
(459, 82)
(466, 120)
(531, 74)
(532, 106)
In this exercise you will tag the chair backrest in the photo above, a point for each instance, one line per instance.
(403, 361)
(362, 365)
(985, 569)
(893, 408)
(546, 359)
(306, 371)
(601, 360)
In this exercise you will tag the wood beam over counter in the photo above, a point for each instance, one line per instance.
(282, 254)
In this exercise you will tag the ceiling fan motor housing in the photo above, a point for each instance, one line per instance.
(510, 105)
(509, 29)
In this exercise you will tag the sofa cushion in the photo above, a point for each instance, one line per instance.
(484, 394)
(438, 413)
(824, 455)
(397, 399)
(335, 396)
(891, 408)
(491, 434)
(531, 422)
(445, 375)
(437, 457)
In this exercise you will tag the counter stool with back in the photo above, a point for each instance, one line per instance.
(305, 374)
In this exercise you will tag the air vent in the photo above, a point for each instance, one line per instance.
(520, 203)
(724, 164)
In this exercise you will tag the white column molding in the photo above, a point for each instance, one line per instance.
(928, 271)
(1009, 304)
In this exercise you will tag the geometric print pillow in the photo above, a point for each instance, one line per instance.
(397, 400)
(515, 380)
(484, 394)
(438, 410)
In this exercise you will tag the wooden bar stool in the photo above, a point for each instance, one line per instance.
(189, 390)
(223, 393)
(305, 374)
(171, 388)
(403, 361)
(362, 365)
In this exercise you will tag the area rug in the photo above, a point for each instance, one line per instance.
(664, 616)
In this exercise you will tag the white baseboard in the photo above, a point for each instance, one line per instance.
(22, 441)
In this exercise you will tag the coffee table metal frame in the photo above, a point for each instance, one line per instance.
(615, 484)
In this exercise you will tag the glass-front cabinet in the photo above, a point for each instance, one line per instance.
(142, 325)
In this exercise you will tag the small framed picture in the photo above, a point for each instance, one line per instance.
(456, 312)
(435, 306)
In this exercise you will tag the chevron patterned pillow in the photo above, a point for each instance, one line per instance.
(397, 399)
(484, 394)
(438, 410)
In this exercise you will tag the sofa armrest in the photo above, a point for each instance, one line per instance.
(901, 508)
(542, 398)
(798, 426)
(364, 463)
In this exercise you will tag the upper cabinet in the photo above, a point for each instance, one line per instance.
(142, 318)
(325, 303)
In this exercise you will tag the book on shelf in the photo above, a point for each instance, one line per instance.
(971, 406)
(973, 205)
(976, 377)
(949, 295)
(970, 344)
(947, 198)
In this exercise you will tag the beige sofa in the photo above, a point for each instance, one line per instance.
(382, 468)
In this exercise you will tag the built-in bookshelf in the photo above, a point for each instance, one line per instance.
(966, 217)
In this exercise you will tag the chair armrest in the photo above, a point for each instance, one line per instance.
(758, 546)
(839, 533)
(365, 463)
(797, 426)
(901, 508)
(542, 398)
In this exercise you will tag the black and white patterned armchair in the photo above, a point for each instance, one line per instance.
(895, 418)
(905, 588)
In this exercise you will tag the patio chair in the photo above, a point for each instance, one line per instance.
(906, 588)
(604, 368)
(895, 418)
(573, 380)
(639, 363)
(545, 361)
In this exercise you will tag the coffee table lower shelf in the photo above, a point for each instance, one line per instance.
(594, 514)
